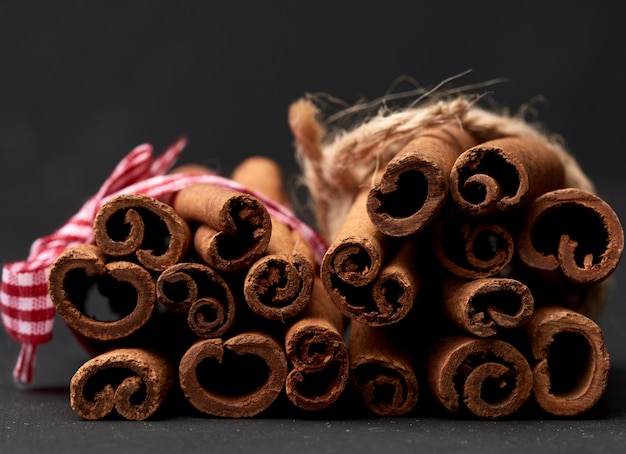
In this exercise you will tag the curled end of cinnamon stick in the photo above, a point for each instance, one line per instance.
(128, 287)
(198, 291)
(136, 224)
(415, 183)
(572, 231)
(306, 129)
(133, 383)
(236, 378)
(571, 361)
(472, 248)
(488, 378)
(503, 174)
(487, 306)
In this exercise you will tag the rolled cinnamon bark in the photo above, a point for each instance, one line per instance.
(357, 252)
(572, 231)
(415, 183)
(571, 362)
(472, 247)
(382, 370)
(134, 383)
(136, 224)
(315, 346)
(234, 228)
(234, 378)
(484, 307)
(198, 291)
(487, 377)
(389, 298)
(503, 174)
(129, 288)
(278, 285)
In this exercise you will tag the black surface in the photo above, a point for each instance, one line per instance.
(82, 83)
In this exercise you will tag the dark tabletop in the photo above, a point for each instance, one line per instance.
(82, 83)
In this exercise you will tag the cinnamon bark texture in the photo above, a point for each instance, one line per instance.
(200, 292)
(132, 383)
(128, 287)
(278, 285)
(571, 362)
(140, 226)
(572, 232)
(488, 378)
(503, 174)
(472, 247)
(488, 306)
(234, 378)
(315, 347)
(415, 183)
(386, 300)
(382, 370)
(234, 228)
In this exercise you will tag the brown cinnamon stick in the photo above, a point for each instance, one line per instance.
(357, 252)
(382, 370)
(487, 377)
(234, 228)
(389, 298)
(198, 291)
(136, 224)
(133, 383)
(472, 247)
(129, 288)
(315, 346)
(572, 231)
(503, 174)
(415, 183)
(234, 378)
(484, 307)
(278, 285)
(571, 362)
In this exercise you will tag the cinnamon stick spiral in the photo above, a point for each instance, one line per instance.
(136, 224)
(198, 291)
(415, 183)
(134, 383)
(503, 174)
(572, 231)
(487, 377)
(129, 288)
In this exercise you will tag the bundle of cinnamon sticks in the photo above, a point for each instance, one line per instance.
(461, 273)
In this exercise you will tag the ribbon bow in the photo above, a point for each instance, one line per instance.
(27, 311)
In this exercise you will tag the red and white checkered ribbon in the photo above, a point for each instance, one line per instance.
(28, 312)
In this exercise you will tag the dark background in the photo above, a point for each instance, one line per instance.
(82, 83)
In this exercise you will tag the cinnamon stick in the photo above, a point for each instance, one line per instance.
(486, 306)
(489, 378)
(382, 370)
(198, 291)
(415, 183)
(234, 378)
(133, 383)
(136, 224)
(571, 362)
(234, 228)
(315, 346)
(357, 252)
(391, 295)
(574, 232)
(472, 247)
(503, 174)
(278, 285)
(129, 288)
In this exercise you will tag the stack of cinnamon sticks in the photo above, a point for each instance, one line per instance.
(464, 268)
(210, 293)
(461, 272)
